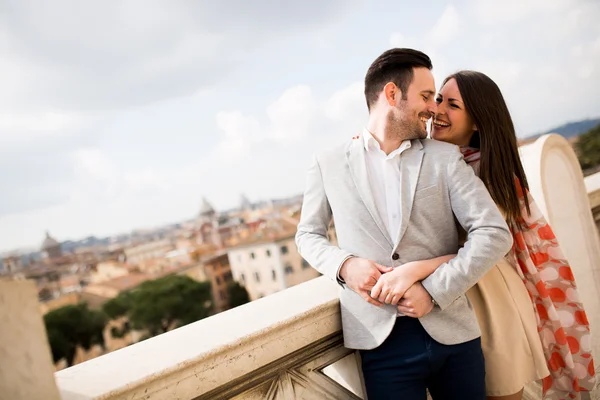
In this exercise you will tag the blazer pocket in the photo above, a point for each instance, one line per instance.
(426, 192)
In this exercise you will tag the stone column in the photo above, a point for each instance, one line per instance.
(26, 368)
(556, 183)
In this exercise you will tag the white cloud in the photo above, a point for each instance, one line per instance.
(446, 27)
(240, 132)
(20, 129)
(509, 11)
(297, 117)
(92, 163)
(71, 55)
(292, 115)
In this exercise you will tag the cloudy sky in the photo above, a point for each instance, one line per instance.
(117, 115)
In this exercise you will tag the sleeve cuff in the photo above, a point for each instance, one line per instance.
(426, 283)
(338, 277)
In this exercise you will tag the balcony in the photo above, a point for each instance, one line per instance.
(287, 345)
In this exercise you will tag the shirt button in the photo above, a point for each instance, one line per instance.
(395, 256)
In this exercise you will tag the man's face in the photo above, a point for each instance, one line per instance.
(409, 116)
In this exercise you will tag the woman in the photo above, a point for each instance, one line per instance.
(518, 302)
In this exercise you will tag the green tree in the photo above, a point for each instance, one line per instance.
(162, 304)
(588, 148)
(238, 295)
(72, 326)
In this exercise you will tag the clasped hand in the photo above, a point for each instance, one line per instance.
(379, 285)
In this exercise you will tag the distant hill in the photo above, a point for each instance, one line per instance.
(71, 245)
(570, 129)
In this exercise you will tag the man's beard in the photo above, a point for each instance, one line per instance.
(404, 129)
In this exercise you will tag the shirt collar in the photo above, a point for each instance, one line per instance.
(371, 144)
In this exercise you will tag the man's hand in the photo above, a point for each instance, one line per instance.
(391, 287)
(416, 302)
(361, 275)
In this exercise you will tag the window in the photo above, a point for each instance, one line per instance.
(218, 280)
(222, 295)
(227, 277)
(289, 269)
(268, 253)
(305, 264)
(284, 250)
(257, 277)
(252, 255)
(274, 275)
(242, 278)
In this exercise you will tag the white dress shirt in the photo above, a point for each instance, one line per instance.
(385, 177)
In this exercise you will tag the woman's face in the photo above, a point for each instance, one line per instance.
(452, 123)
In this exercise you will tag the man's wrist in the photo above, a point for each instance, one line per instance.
(343, 266)
(430, 296)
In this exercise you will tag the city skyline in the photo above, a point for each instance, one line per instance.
(108, 126)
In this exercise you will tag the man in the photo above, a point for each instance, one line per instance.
(394, 196)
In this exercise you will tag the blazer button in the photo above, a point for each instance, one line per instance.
(395, 256)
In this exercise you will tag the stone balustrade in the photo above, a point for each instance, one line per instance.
(284, 346)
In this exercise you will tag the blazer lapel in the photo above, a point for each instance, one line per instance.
(358, 170)
(410, 165)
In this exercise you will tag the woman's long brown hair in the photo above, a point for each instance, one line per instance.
(500, 163)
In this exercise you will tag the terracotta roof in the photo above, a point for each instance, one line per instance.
(126, 282)
(71, 280)
(266, 236)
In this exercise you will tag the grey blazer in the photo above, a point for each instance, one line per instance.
(437, 186)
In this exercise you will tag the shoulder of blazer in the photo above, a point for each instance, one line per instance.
(436, 146)
(335, 152)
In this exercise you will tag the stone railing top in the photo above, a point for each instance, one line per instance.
(592, 182)
(207, 354)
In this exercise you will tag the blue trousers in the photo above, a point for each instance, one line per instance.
(410, 361)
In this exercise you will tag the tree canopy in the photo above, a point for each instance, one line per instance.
(588, 148)
(162, 304)
(238, 294)
(71, 326)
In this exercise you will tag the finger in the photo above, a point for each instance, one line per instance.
(395, 299)
(382, 268)
(383, 295)
(406, 310)
(408, 314)
(405, 303)
(389, 299)
(371, 300)
(370, 283)
(376, 290)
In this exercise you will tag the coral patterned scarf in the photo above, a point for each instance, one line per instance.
(562, 323)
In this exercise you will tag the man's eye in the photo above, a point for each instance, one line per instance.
(438, 100)
(426, 98)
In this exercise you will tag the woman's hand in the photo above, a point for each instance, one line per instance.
(391, 286)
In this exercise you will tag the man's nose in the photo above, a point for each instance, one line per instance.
(433, 109)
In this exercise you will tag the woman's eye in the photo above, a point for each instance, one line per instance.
(454, 106)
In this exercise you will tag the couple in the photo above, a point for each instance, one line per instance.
(452, 279)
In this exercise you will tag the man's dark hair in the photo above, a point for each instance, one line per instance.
(394, 65)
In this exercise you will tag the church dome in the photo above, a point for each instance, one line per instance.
(206, 208)
(49, 242)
